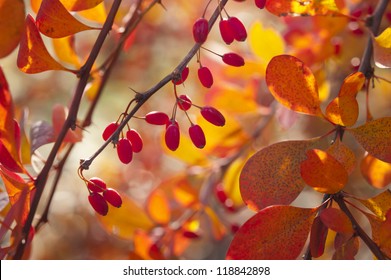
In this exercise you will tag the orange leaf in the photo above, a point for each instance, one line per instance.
(376, 172)
(382, 49)
(375, 137)
(347, 246)
(381, 230)
(304, 8)
(343, 110)
(158, 207)
(124, 221)
(379, 204)
(318, 237)
(11, 26)
(33, 56)
(77, 5)
(53, 20)
(343, 154)
(272, 175)
(336, 220)
(97, 14)
(276, 232)
(7, 126)
(217, 227)
(323, 172)
(145, 247)
(64, 48)
(293, 84)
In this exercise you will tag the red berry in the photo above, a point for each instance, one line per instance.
(157, 118)
(109, 130)
(184, 75)
(213, 116)
(113, 197)
(172, 136)
(190, 234)
(260, 3)
(205, 76)
(238, 29)
(226, 32)
(124, 150)
(135, 139)
(221, 194)
(96, 184)
(98, 203)
(200, 30)
(233, 59)
(184, 102)
(197, 136)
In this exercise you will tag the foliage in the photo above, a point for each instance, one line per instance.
(294, 126)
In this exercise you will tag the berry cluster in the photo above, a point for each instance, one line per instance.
(100, 196)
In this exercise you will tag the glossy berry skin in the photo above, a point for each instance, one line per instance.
(260, 3)
(98, 203)
(205, 77)
(184, 102)
(213, 116)
(226, 32)
(96, 184)
(197, 136)
(233, 59)
(157, 118)
(113, 197)
(125, 150)
(135, 139)
(200, 30)
(184, 75)
(238, 29)
(172, 136)
(109, 130)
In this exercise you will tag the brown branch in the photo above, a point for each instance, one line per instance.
(70, 122)
(358, 229)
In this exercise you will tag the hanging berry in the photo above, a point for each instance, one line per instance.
(184, 102)
(109, 130)
(113, 197)
(184, 75)
(157, 118)
(172, 136)
(238, 30)
(213, 116)
(96, 184)
(135, 139)
(233, 59)
(205, 76)
(98, 203)
(197, 136)
(226, 32)
(200, 30)
(124, 150)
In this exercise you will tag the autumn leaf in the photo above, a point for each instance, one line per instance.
(381, 232)
(145, 247)
(318, 237)
(375, 137)
(343, 154)
(77, 5)
(336, 220)
(275, 233)
(53, 20)
(59, 115)
(382, 49)
(346, 246)
(379, 204)
(97, 14)
(343, 110)
(323, 172)
(33, 56)
(158, 207)
(376, 172)
(12, 13)
(272, 175)
(302, 8)
(124, 221)
(65, 51)
(293, 85)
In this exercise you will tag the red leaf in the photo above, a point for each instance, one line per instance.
(33, 56)
(276, 232)
(53, 20)
(336, 220)
(12, 15)
(272, 175)
(318, 237)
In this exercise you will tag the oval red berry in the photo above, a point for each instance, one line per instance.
(109, 130)
(172, 136)
(113, 197)
(213, 116)
(156, 118)
(205, 77)
(233, 59)
(238, 29)
(197, 136)
(98, 203)
(124, 150)
(226, 32)
(184, 102)
(200, 30)
(184, 75)
(260, 3)
(135, 139)
(96, 184)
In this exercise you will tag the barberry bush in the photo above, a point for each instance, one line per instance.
(182, 130)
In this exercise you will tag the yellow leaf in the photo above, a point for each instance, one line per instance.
(97, 14)
(64, 49)
(11, 25)
(258, 36)
(231, 182)
(302, 7)
(158, 207)
(382, 49)
(378, 204)
(293, 84)
(376, 172)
